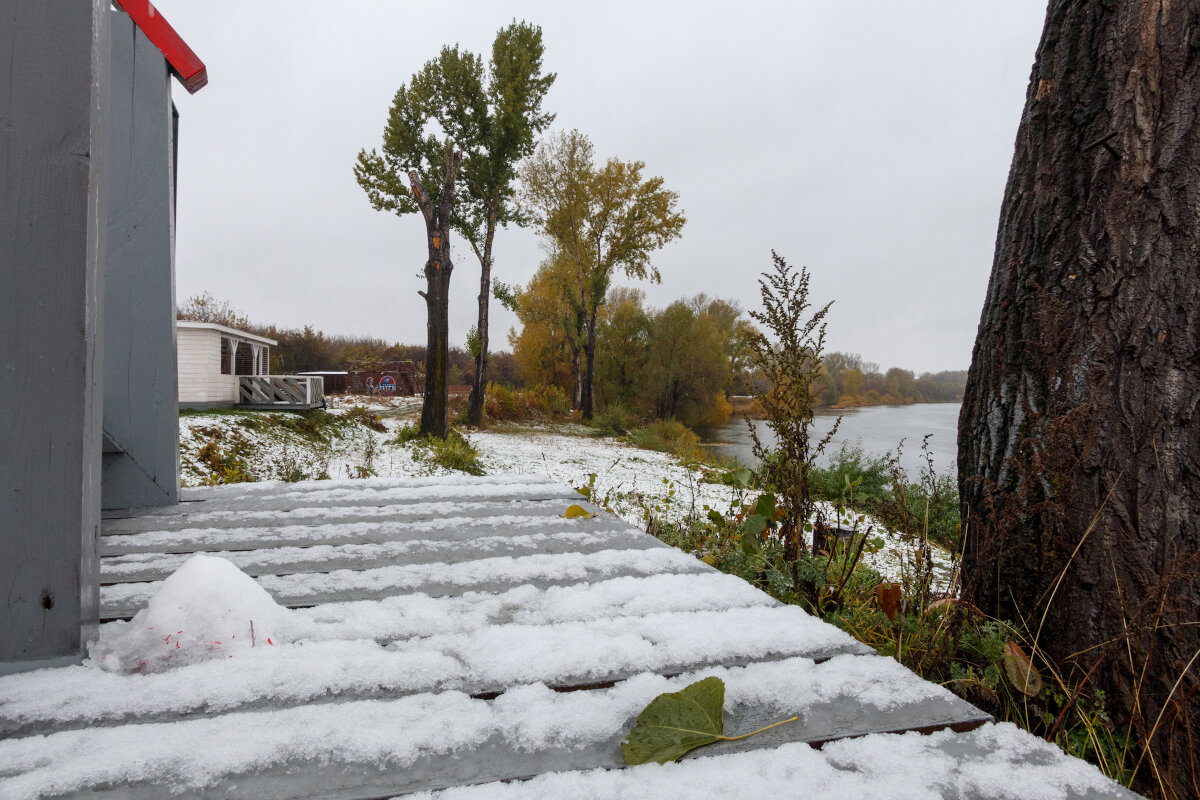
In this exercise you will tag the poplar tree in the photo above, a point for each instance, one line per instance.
(491, 118)
(600, 220)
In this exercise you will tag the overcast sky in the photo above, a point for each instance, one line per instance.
(868, 141)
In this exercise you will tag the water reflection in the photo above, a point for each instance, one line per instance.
(879, 428)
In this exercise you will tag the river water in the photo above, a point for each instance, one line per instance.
(878, 428)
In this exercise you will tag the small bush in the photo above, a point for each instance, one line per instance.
(852, 477)
(367, 418)
(718, 413)
(409, 433)
(454, 452)
(615, 419)
(501, 403)
(228, 464)
(670, 436)
(317, 425)
(927, 508)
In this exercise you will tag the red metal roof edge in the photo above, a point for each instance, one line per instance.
(184, 63)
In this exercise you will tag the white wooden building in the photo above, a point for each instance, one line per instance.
(222, 366)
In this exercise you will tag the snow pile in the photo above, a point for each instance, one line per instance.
(206, 609)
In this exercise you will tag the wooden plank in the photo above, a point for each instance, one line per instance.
(264, 525)
(53, 143)
(380, 748)
(121, 601)
(316, 670)
(326, 557)
(178, 516)
(273, 496)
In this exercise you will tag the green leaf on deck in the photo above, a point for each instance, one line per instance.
(678, 722)
(578, 512)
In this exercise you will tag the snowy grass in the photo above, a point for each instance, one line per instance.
(639, 485)
(627, 478)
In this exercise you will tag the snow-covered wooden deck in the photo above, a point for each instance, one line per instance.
(455, 632)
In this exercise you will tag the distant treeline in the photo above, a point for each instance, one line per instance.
(847, 380)
(680, 362)
(309, 350)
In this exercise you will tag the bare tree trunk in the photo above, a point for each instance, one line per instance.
(577, 371)
(576, 368)
(434, 407)
(479, 383)
(1079, 440)
(437, 297)
(589, 370)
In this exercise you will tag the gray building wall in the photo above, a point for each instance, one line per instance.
(53, 144)
(141, 426)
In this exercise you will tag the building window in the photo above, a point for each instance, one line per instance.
(226, 356)
(243, 359)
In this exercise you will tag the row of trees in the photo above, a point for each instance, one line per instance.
(681, 361)
(458, 136)
(595, 220)
(676, 362)
(847, 380)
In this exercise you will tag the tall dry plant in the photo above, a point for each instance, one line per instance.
(786, 350)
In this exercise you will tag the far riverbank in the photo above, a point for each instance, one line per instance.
(878, 428)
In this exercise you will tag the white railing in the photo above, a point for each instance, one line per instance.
(282, 390)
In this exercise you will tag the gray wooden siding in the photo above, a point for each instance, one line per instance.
(53, 145)
(140, 406)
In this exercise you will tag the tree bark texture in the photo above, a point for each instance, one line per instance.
(438, 268)
(1079, 439)
(479, 383)
(589, 369)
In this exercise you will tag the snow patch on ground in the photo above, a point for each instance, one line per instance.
(634, 483)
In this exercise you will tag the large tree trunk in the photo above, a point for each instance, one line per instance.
(479, 384)
(1079, 440)
(437, 297)
(437, 363)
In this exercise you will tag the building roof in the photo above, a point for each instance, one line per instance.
(212, 326)
(185, 65)
(457, 631)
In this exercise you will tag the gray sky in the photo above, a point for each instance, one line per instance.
(868, 141)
